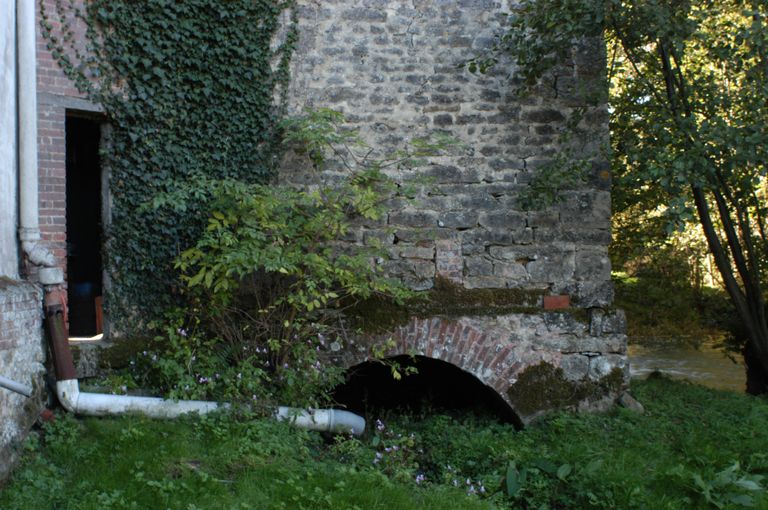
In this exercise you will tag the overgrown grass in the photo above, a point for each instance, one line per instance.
(693, 448)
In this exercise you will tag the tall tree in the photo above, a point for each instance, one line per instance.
(689, 103)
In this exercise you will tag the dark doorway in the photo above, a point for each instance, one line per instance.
(84, 226)
(436, 387)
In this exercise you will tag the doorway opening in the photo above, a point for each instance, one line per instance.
(84, 226)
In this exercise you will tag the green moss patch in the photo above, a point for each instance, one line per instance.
(543, 387)
(113, 355)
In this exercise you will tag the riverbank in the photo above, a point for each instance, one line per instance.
(704, 363)
(693, 448)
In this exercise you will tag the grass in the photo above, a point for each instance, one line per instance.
(693, 448)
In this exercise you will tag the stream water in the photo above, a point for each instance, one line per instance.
(704, 364)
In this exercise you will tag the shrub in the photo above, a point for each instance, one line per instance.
(270, 278)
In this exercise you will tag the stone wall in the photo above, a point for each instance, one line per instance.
(395, 69)
(21, 360)
(559, 358)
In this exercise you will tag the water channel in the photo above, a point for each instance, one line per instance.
(704, 364)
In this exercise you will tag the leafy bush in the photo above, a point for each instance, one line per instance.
(271, 276)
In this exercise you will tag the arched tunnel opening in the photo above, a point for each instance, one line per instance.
(436, 386)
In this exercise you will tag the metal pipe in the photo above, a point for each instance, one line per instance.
(27, 112)
(58, 336)
(15, 386)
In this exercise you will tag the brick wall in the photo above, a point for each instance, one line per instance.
(21, 360)
(56, 94)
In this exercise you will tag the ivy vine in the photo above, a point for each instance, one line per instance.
(190, 89)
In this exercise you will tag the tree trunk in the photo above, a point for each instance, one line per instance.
(757, 376)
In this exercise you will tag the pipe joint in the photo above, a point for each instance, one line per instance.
(68, 393)
(38, 254)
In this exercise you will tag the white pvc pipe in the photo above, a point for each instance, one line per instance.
(27, 112)
(15, 386)
(98, 404)
(326, 420)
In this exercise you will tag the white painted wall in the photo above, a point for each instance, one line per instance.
(8, 181)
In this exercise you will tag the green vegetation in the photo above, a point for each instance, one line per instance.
(660, 308)
(688, 88)
(693, 448)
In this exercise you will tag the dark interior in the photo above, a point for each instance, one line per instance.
(84, 228)
(438, 386)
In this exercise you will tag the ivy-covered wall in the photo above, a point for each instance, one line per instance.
(189, 88)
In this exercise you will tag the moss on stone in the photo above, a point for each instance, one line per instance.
(445, 299)
(579, 314)
(109, 354)
(544, 387)
(118, 354)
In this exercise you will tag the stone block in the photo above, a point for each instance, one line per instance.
(503, 220)
(412, 218)
(592, 265)
(364, 14)
(415, 252)
(511, 271)
(543, 116)
(443, 120)
(614, 322)
(552, 266)
(478, 266)
(458, 219)
(586, 294)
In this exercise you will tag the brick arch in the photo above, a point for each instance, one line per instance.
(485, 354)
